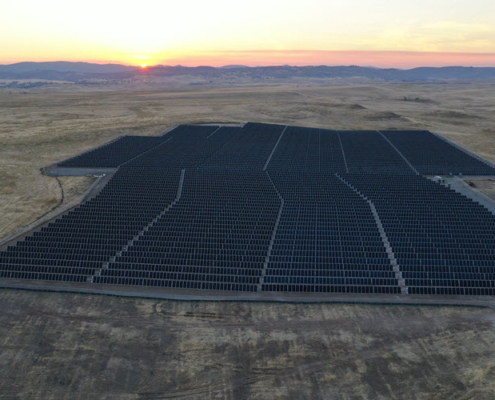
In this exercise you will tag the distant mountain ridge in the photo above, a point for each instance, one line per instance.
(65, 66)
(77, 71)
(234, 66)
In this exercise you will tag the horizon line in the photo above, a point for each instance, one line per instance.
(382, 59)
(136, 66)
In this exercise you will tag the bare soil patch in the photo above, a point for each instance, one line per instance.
(59, 346)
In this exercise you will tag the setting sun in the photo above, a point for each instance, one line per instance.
(143, 65)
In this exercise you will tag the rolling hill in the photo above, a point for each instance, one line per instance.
(77, 71)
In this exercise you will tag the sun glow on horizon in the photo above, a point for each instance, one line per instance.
(286, 32)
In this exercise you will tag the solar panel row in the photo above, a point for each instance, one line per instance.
(441, 239)
(271, 208)
(368, 152)
(113, 154)
(218, 233)
(300, 149)
(308, 150)
(431, 155)
(80, 242)
(327, 239)
(247, 150)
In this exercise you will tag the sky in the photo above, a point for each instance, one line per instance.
(381, 33)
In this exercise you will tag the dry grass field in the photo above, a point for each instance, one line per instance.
(56, 346)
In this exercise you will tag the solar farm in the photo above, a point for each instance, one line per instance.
(264, 209)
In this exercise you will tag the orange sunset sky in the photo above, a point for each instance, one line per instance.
(379, 33)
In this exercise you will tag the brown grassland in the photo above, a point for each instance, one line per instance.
(83, 347)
